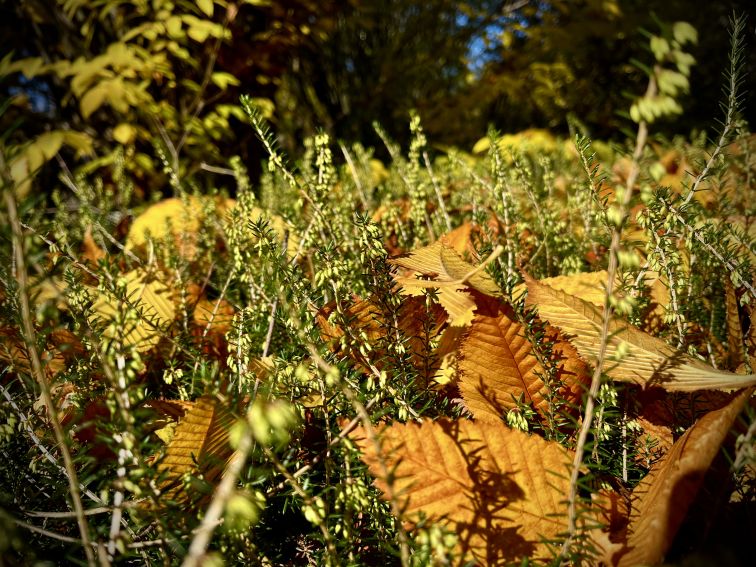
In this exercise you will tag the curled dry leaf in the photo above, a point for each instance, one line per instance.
(499, 490)
(661, 500)
(650, 362)
(150, 297)
(450, 275)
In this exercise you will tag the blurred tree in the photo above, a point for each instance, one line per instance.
(559, 57)
(384, 58)
(145, 78)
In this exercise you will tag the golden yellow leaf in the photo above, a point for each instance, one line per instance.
(588, 286)
(500, 490)
(450, 274)
(199, 445)
(171, 217)
(180, 221)
(650, 361)
(445, 355)
(661, 500)
(150, 297)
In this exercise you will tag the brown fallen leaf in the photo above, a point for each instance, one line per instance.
(735, 339)
(650, 362)
(418, 324)
(497, 365)
(499, 490)
(661, 500)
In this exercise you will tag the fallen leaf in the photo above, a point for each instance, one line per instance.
(150, 297)
(735, 339)
(650, 362)
(497, 365)
(589, 286)
(450, 275)
(499, 490)
(199, 446)
(661, 500)
(418, 323)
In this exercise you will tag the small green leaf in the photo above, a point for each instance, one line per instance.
(223, 79)
(684, 33)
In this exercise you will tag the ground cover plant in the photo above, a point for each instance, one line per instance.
(539, 351)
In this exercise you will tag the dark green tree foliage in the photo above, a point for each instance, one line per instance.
(560, 58)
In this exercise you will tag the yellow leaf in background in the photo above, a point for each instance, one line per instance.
(206, 6)
(151, 298)
(222, 80)
(93, 99)
(650, 362)
(499, 490)
(661, 500)
(447, 271)
(181, 220)
(199, 445)
(124, 133)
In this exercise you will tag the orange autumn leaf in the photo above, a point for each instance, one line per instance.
(460, 239)
(500, 490)
(215, 315)
(497, 365)
(199, 445)
(661, 500)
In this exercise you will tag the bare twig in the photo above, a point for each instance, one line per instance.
(614, 248)
(28, 333)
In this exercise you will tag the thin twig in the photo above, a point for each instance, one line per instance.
(640, 144)
(204, 533)
(36, 363)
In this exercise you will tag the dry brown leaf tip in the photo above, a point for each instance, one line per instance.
(661, 500)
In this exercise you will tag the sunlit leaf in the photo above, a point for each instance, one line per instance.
(649, 362)
(499, 490)
(199, 445)
(154, 306)
(661, 500)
